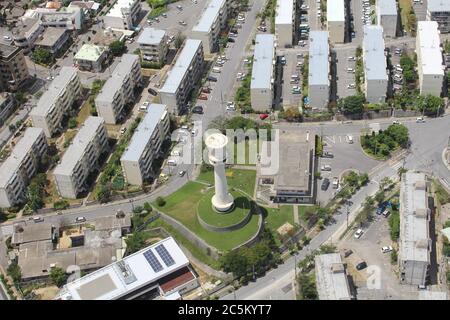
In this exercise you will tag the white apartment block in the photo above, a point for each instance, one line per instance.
(183, 76)
(81, 158)
(20, 167)
(211, 23)
(415, 241)
(319, 70)
(285, 22)
(439, 11)
(336, 20)
(262, 82)
(119, 89)
(387, 17)
(375, 64)
(429, 58)
(69, 18)
(123, 15)
(56, 102)
(331, 277)
(153, 45)
(145, 145)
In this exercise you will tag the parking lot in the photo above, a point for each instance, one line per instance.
(345, 79)
(292, 77)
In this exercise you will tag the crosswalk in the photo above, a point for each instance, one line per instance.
(334, 139)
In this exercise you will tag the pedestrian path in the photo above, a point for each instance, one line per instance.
(296, 219)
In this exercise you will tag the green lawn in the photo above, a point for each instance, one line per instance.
(275, 218)
(305, 211)
(241, 179)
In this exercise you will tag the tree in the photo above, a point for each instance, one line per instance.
(135, 242)
(58, 276)
(117, 48)
(179, 39)
(352, 104)
(307, 287)
(160, 202)
(42, 56)
(73, 123)
(14, 272)
(103, 194)
(235, 262)
(352, 179)
(292, 114)
(430, 105)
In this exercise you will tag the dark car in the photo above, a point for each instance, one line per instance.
(361, 265)
(197, 109)
(325, 184)
(231, 40)
(327, 154)
(211, 78)
(152, 91)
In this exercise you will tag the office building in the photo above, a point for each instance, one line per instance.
(387, 17)
(430, 66)
(153, 45)
(439, 11)
(21, 166)
(119, 89)
(262, 82)
(375, 64)
(415, 241)
(53, 39)
(319, 70)
(55, 103)
(91, 57)
(13, 68)
(145, 145)
(123, 15)
(81, 158)
(183, 77)
(331, 277)
(336, 24)
(211, 23)
(285, 22)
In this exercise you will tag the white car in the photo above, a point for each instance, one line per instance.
(7, 38)
(386, 249)
(351, 86)
(230, 106)
(80, 219)
(420, 120)
(144, 106)
(395, 122)
(358, 233)
(351, 59)
(350, 70)
(122, 130)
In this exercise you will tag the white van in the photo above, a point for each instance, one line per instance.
(216, 69)
(350, 139)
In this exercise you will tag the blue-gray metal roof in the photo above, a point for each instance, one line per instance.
(319, 50)
(374, 57)
(210, 13)
(262, 70)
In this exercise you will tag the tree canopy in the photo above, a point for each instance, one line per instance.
(352, 104)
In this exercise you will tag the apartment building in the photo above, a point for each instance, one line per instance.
(91, 57)
(153, 45)
(145, 145)
(81, 158)
(118, 90)
(26, 33)
(430, 65)
(336, 25)
(20, 167)
(415, 241)
(387, 17)
(70, 18)
(123, 15)
(183, 77)
(375, 64)
(331, 277)
(7, 104)
(319, 70)
(262, 82)
(211, 23)
(439, 11)
(54, 40)
(56, 102)
(13, 68)
(285, 22)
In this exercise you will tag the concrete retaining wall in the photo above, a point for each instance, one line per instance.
(233, 227)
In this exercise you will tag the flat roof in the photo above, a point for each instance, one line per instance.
(430, 48)
(180, 68)
(112, 222)
(263, 61)
(374, 57)
(50, 36)
(116, 10)
(144, 131)
(151, 36)
(126, 275)
(336, 10)
(78, 145)
(331, 278)
(209, 15)
(284, 12)
(387, 7)
(6, 50)
(438, 5)
(8, 169)
(319, 51)
(31, 232)
(414, 218)
(90, 52)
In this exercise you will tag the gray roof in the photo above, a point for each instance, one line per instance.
(6, 50)
(319, 50)
(373, 52)
(336, 10)
(144, 132)
(210, 13)
(387, 7)
(151, 36)
(9, 168)
(50, 36)
(32, 232)
(331, 278)
(112, 222)
(429, 48)
(78, 146)
(180, 68)
(284, 12)
(438, 5)
(263, 61)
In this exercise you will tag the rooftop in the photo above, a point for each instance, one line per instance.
(112, 222)
(31, 232)
(373, 53)
(387, 7)
(429, 47)
(319, 50)
(331, 278)
(284, 12)
(151, 36)
(180, 68)
(89, 52)
(336, 10)
(263, 61)
(6, 50)
(438, 5)
(50, 36)
(209, 15)
(116, 10)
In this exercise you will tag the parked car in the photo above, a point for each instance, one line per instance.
(362, 265)
(80, 219)
(152, 91)
(197, 110)
(351, 86)
(283, 60)
(350, 70)
(179, 7)
(182, 22)
(231, 40)
(211, 78)
(325, 184)
(206, 90)
(327, 154)
(181, 173)
(38, 219)
(144, 107)
(386, 249)
(230, 106)
(326, 167)
(358, 234)
(263, 116)
(420, 120)
(351, 59)
(335, 182)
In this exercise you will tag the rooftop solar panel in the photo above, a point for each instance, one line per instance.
(165, 255)
(153, 261)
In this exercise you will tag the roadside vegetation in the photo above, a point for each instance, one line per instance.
(381, 145)
(351, 104)
(408, 17)
(42, 56)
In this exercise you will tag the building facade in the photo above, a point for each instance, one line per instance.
(20, 167)
(285, 22)
(56, 102)
(13, 68)
(7, 106)
(439, 11)
(26, 33)
(319, 70)
(153, 45)
(145, 145)
(336, 23)
(123, 15)
(81, 158)
(387, 17)
(119, 89)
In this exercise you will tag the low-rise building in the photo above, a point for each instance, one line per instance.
(13, 68)
(387, 17)
(439, 11)
(91, 57)
(7, 104)
(145, 145)
(119, 89)
(415, 241)
(69, 18)
(336, 24)
(331, 277)
(262, 82)
(183, 76)
(20, 167)
(211, 23)
(123, 14)
(430, 65)
(153, 45)
(285, 22)
(53, 39)
(375, 64)
(81, 158)
(55, 103)
(319, 70)
(89, 7)
(26, 32)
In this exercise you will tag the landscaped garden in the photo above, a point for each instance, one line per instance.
(380, 145)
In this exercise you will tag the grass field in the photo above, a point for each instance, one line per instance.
(275, 218)
(405, 7)
(241, 179)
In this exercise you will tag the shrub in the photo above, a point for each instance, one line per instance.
(160, 202)
(61, 205)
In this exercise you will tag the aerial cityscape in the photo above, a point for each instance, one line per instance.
(224, 150)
